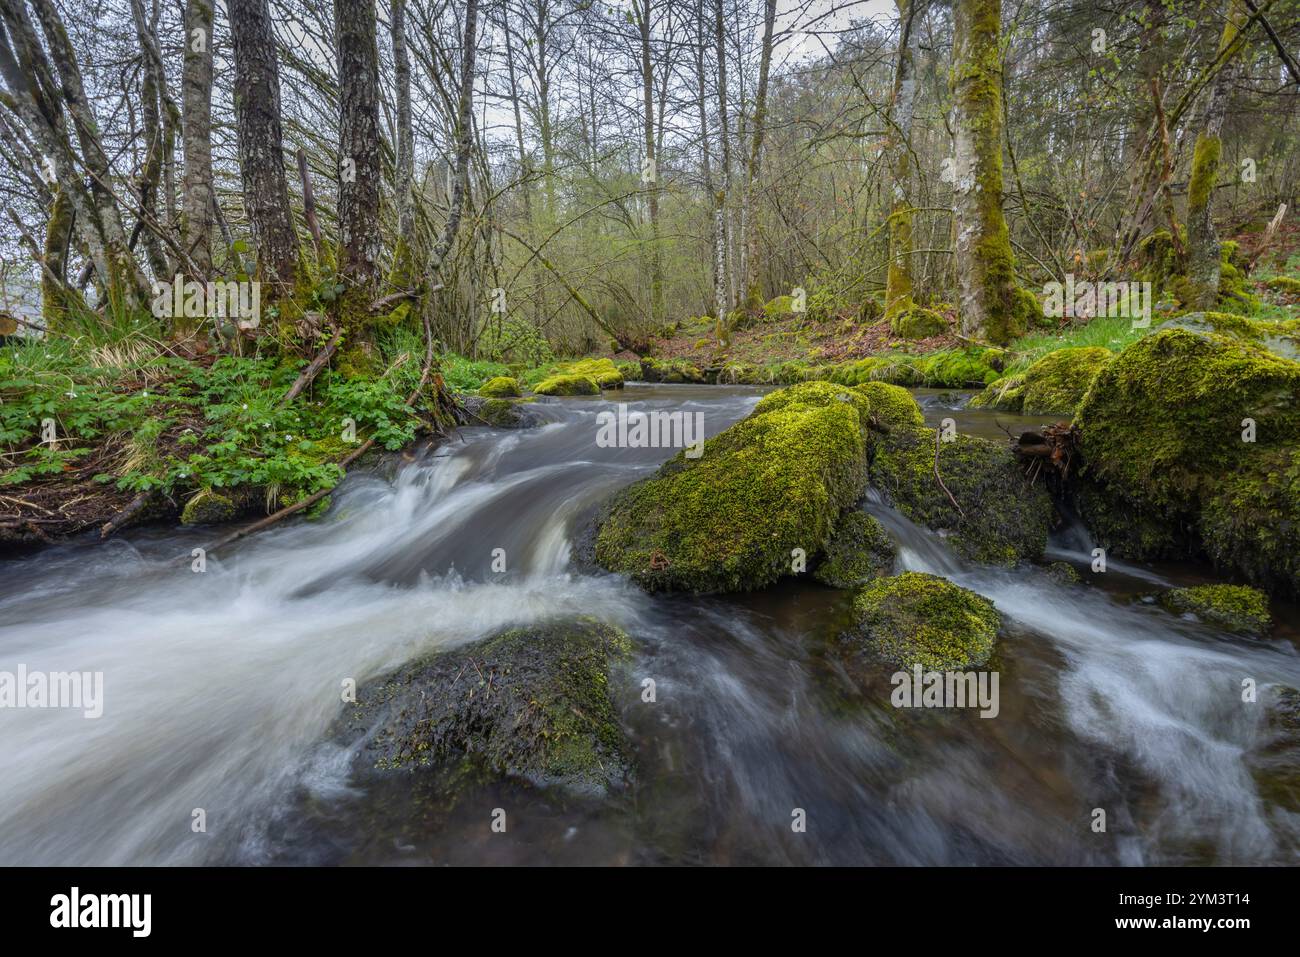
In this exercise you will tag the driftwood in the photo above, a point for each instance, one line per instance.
(1054, 448)
(313, 368)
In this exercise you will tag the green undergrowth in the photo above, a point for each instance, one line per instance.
(145, 421)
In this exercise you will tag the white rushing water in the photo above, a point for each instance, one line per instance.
(220, 686)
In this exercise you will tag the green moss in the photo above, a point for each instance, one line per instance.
(671, 370)
(1236, 608)
(730, 520)
(532, 703)
(919, 619)
(781, 307)
(1162, 428)
(1055, 383)
(814, 394)
(207, 507)
(567, 385)
(1284, 284)
(500, 387)
(891, 406)
(1063, 573)
(1250, 521)
(859, 550)
(999, 518)
(917, 323)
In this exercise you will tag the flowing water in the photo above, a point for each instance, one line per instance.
(220, 690)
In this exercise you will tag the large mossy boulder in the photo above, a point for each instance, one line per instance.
(999, 518)
(1055, 384)
(1191, 446)
(498, 413)
(1235, 608)
(671, 371)
(1282, 338)
(532, 703)
(919, 619)
(859, 551)
(567, 385)
(732, 519)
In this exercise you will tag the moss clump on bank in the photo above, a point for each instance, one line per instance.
(859, 550)
(500, 387)
(1169, 454)
(565, 385)
(1236, 608)
(999, 518)
(919, 619)
(671, 370)
(917, 323)
(1288, 285)
(208, 507)
(567, 378)
(732, 519)
(1055, 383)
(532, 703)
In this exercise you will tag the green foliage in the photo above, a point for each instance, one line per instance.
(468, 375)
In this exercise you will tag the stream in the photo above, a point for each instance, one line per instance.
(220, 690)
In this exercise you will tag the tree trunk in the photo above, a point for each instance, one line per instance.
(992, 306)
(196, 131)
(261, 150)
(647, 98)
(898, 279)
(749, 233)
(721, 281)
(360, 242)
(1203, 262)
(403, 260)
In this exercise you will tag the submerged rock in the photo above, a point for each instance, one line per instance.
(1191, 445)
(532, 703)
(1237, 608)
(919, 619)
(732, 519)
(859, 550)
(1055, 383)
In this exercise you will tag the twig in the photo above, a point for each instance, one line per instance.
(939, 478)
(121, 518)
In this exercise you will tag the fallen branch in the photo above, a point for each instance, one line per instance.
(313, 368)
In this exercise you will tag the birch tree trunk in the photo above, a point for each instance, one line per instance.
(198, 195)
(721, 281)
(749, 233)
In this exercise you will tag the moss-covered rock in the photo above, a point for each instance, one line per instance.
(917, 323)
(531, 703)
(564, 385)
(207, 507)
(1000, 518)
(1055, 383)
(919, 619)
(499, 413)
(671, 370)
(1165, 459)
(1237, 608)
(500, 387)
(1280, 338)
(1287, 285)
(1063, 573)
(781, 307)
(731, 520)
(815, 394)
(859, 550)
(891, 406)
